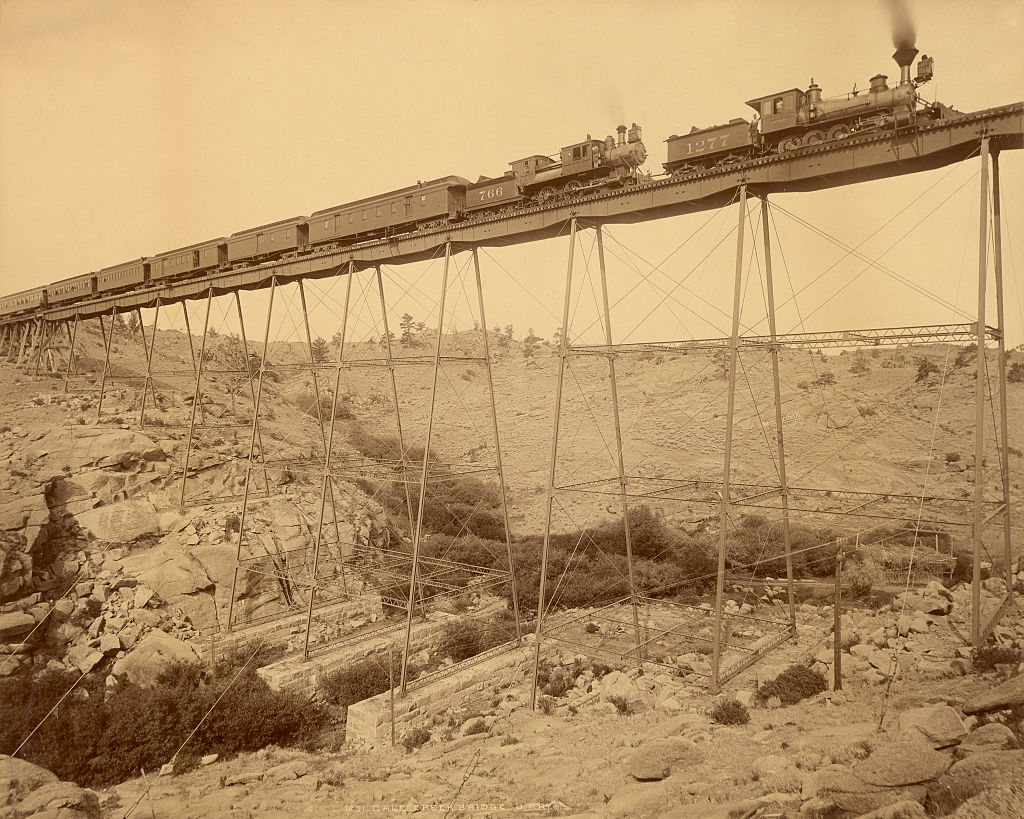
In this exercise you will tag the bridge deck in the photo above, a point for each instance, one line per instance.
(858, 159)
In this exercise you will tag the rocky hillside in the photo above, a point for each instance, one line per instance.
(104, 576)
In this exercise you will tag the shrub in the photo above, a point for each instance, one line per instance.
(554, 680)
(730, 711)
(416, 738)
(798, 682)
(1015, 375)
(99, 741)
(462, 639)
(965, 355)
(952, 457)
(621, 705)
(826, 379)
(988, 657)
(925, 369)
(355, 682)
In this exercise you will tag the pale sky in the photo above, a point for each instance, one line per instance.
(128, 129)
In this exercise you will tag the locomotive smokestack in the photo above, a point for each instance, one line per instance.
(904, 57)
(622, 134)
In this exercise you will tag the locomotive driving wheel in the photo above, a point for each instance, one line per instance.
(547, 194)
(840, 131)
(814, 137)
(790, 143)
(572, 187)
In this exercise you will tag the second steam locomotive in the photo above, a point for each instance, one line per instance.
(783, 122)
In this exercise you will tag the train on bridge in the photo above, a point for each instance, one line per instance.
(783, 122)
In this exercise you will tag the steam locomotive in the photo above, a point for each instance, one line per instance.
(788, 120)
(783, 122)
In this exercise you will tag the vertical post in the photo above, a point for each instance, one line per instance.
(40, 344)
(563, 347)
(248, 376)
(1004, 449)
(71, 353)
(26, 329)
(148, 348)
(837, 624)
(497, 443)
(783, 483)
(623, 490)
(316, 391)
(417, 536)
(252, 445)
(391, 691)
(734, 343)
(195, 394)
(979, 403)
(107, 344)
(394, 396)
(328, 447)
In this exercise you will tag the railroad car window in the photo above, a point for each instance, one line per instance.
(423, 199)
(351, 216)
(364, 215)
(326, 223)
(378, 210)
(394, 207)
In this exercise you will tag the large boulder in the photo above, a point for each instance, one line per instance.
(938, 725)
(152, 655)
(657, 759)
(167, 571)
(972, 776)
(83, 446)
(120, 522)
(904, 762)
(1005, 695)
(616, 687)
(28, 790)
(15, 625)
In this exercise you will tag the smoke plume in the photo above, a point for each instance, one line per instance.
(903, 34)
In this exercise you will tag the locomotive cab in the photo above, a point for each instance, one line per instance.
(778, 111)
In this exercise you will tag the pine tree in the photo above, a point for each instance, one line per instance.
(530, 344)
(407, 325)
(321, 351)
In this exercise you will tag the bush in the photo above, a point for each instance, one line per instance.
(416, 738)
(988, 657)
(798, 682)
(925, 369)
(357, 682)
(1015, 375)
(100, 741)
(621, 705)
(826, 379)
(952, 457)
(465, 638)
(730, 711)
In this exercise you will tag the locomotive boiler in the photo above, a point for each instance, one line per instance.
(582, 166)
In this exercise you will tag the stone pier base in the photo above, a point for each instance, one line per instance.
(369, 721)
